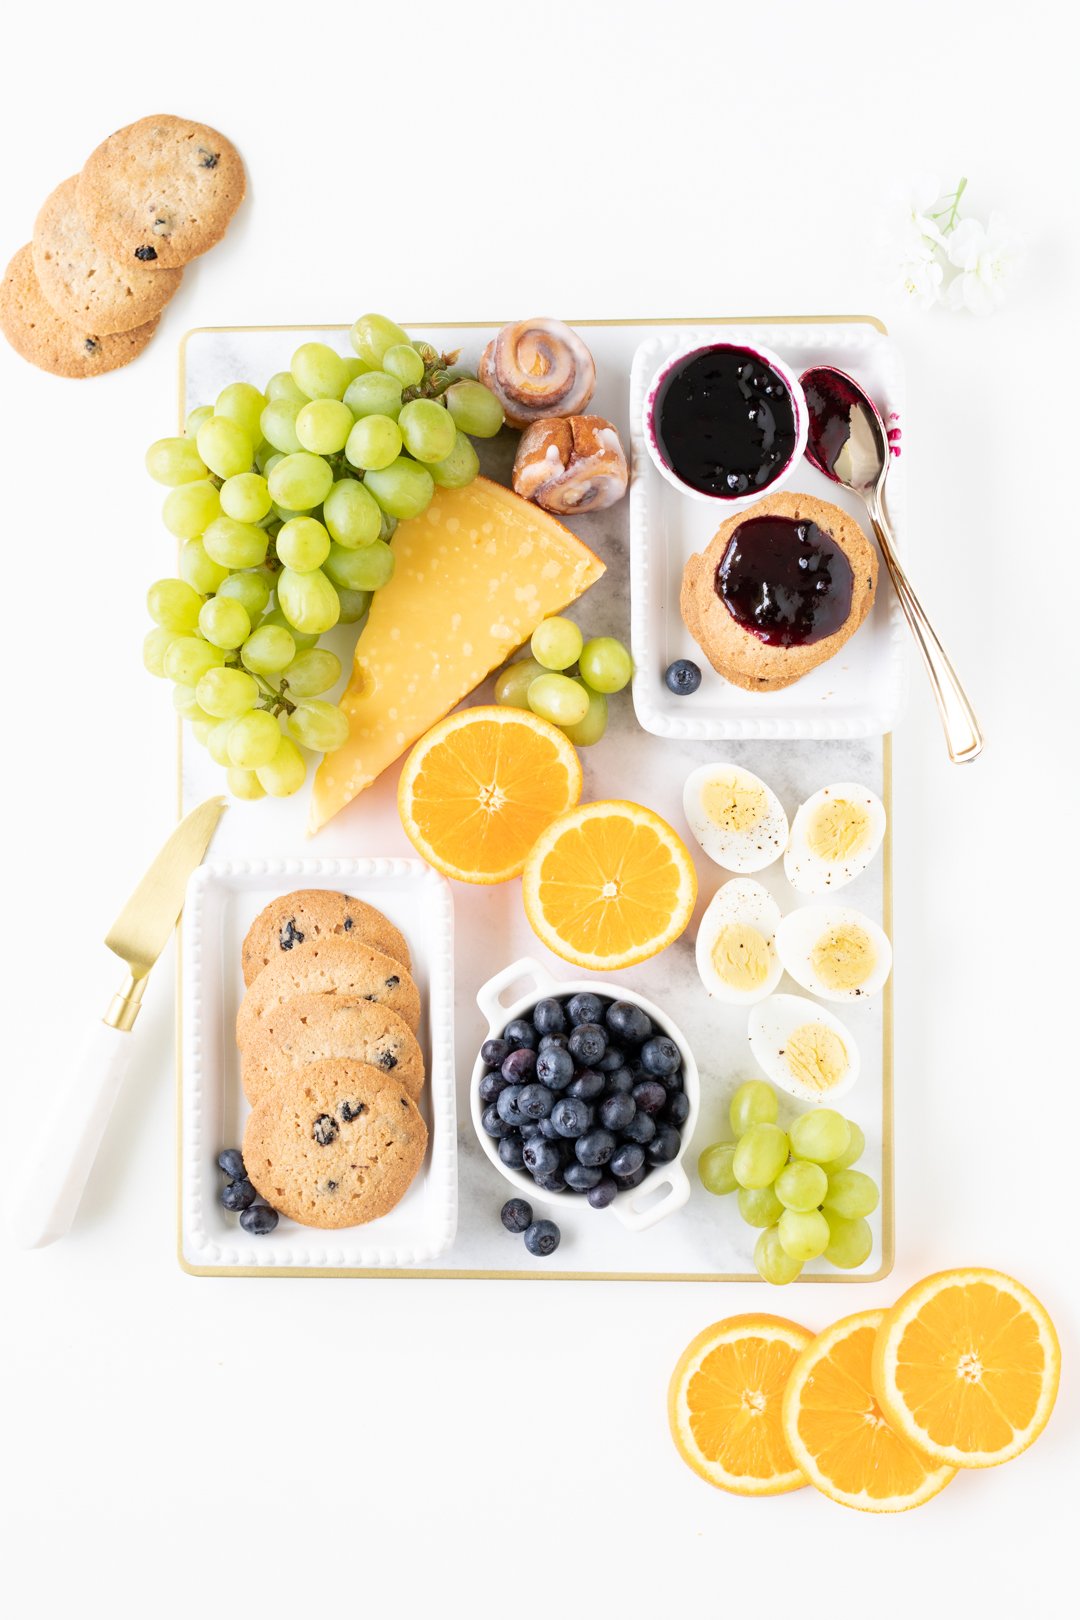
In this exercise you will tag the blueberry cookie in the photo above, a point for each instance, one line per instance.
(335, 1145)
(315, 1027)
(36, 331)
(85, 286)
(301, 918)
(342, 967)
(161, 191)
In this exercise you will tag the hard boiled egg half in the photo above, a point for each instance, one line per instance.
(835, 835)
(735, 817)
(736, 943)
(804, 1048)
(835, 952)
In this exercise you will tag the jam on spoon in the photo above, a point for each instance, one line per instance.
(785, 580)
(724, 421)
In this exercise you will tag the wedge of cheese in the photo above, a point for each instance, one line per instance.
(472, 579)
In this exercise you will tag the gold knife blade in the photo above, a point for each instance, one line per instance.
(141, 931)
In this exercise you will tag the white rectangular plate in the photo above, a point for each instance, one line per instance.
(224, 897)
(859, 692)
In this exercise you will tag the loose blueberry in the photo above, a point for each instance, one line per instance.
(617, 1111)
(490, 1086)
(548, 1042)
(512, 1151)
(620, 1079)
(664, 1146)
(516, 1215)
(519, 1032)
(628, 1022)
(677, 1111)
(237, 1195)
(259, 1219)
(549, 1130)
(660, 1056)
(507, 1104)
(602, 1194)
(642, 1128)
(586, 1008)
(613, 1059)
(493, 1122)
(571, 1116)
(555, 1068)
(582, 1176)
(541, 1158)
(588, 1085)
(588, 1043)
(495, 1053)
(519, 1065)
(232, 1162)
(536, 1101)
(542, 1238)
(595, 1147)
(649, 1095)
(548, 1017)
(627, 1159)
(682, 677)
(530, 1129)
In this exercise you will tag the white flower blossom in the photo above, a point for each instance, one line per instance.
(933, 255)
(986, 257)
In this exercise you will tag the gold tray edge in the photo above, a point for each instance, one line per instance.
(888, 1231)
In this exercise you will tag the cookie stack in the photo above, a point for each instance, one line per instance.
(109, 245)
(329, 1060)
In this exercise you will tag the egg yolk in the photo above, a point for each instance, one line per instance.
(733, 803)
(816, 1056)
(740, 956)
(838, 829)
(843, 958)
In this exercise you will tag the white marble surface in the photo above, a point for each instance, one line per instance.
(706, 1238)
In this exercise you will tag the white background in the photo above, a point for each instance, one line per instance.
(309, 1446)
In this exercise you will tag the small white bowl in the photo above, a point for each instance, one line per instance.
(637, 1207)
(731, 503)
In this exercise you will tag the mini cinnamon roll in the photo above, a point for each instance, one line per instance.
(538, 368)
(571, 464)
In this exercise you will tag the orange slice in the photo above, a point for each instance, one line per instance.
(724, 1404)
(609, 884)
(478, 790)
(838, 1434)
(966, 1367)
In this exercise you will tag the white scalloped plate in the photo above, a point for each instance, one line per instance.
(224, 897)
(860, 692)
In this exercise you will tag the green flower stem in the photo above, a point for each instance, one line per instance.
(954, 209)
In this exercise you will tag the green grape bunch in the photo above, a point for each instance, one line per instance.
(797, 1186)
(285, 501)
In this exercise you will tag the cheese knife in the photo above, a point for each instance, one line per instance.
(45, 1204)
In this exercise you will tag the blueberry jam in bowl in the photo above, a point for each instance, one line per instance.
(584, 1094)
(724, 422)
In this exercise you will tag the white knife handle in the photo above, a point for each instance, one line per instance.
(45, 1204)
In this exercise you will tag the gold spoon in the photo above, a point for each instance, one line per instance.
(847, 442)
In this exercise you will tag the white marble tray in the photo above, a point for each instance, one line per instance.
(706, 1240)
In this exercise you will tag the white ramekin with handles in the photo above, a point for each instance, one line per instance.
(637, 1207)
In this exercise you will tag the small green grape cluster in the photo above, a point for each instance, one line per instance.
(797, 1185)
(285, 502)
(548, 683)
